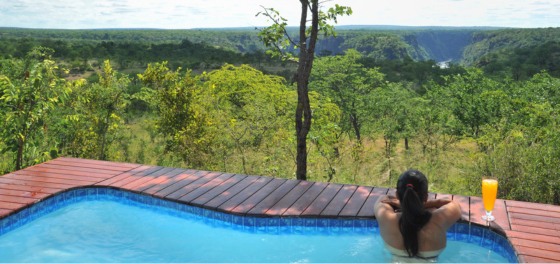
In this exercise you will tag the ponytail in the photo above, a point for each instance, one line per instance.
(413, 218)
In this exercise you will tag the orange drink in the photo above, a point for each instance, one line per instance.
(489, 192)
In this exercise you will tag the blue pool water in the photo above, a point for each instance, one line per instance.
(106, 225)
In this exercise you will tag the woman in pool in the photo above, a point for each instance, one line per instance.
(413, 228)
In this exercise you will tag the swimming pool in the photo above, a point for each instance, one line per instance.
(109, 225)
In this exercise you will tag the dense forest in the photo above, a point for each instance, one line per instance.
(456, 103)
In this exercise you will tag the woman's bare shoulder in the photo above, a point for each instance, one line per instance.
(446, 215)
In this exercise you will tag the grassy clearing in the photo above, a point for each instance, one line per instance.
(446, 169)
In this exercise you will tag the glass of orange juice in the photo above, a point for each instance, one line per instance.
(489, 192)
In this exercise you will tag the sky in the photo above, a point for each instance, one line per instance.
(186, 14)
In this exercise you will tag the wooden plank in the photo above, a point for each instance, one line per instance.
(7, 180)
(521, 223)
(205, 187)
(33, 190)
(4, 212)
(535, 252)
(181, 181)
(133, 177)
(321, 202)
(10, 205)
(184, 176)
(15, 199)
(367, 209)
(47, 179)
(114, 168)
(533, 259)
(237, 199)
(71, 171)
(90, 178)
(273, 198)
(546, 207)
(159, 180)
(533, 237)
(124, 175)
(339, 201)
(444, 196)
(306, 199)
(69, 167)
(358, 199)
(146, 178)
(289, 199)
(251, 201)
(535, 244)
(108, 164)
(464, 202)
(536, 230)
(219, 190)
(193, 186)
(20, 193)
(537, 218)
(231, 192)
(528, 211)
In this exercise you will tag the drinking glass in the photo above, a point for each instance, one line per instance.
(489, 192)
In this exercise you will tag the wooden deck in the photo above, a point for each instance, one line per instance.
(533, 229)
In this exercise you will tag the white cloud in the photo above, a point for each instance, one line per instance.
(227, 13)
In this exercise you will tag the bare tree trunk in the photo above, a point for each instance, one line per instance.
(356, 126)
(303, 110)
(406, 147)
(19, 158)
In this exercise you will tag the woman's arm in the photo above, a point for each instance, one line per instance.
(436, 203)
(385, 207)
(447, 213)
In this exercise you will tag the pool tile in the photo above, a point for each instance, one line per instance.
(284, 225)
(462, 232)
(488, 239)
(323, 222)
(476, 235)
(249, 224)
(297, 225)
(347, 226)
(92, 194)
(260, 225)
(273, 225)
(309, 225)
(334, 225)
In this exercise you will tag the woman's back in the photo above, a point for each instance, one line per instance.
(431, 237)
(412, 226)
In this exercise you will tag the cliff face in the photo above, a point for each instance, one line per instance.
(466, 46)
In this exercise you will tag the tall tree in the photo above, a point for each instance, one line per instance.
(29, 90)
(181, 121)
(350, 85)
(276, 37)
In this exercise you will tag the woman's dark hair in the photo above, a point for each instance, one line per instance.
(412, 191)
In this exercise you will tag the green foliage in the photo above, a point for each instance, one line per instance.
(521, 148)
(279, 41)
(250, 112)
(486, 42)
(474, 100)
(382, 46)
(180, 119)
(30, 90)
(93, 120)
(394, 111)
(350, 86)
